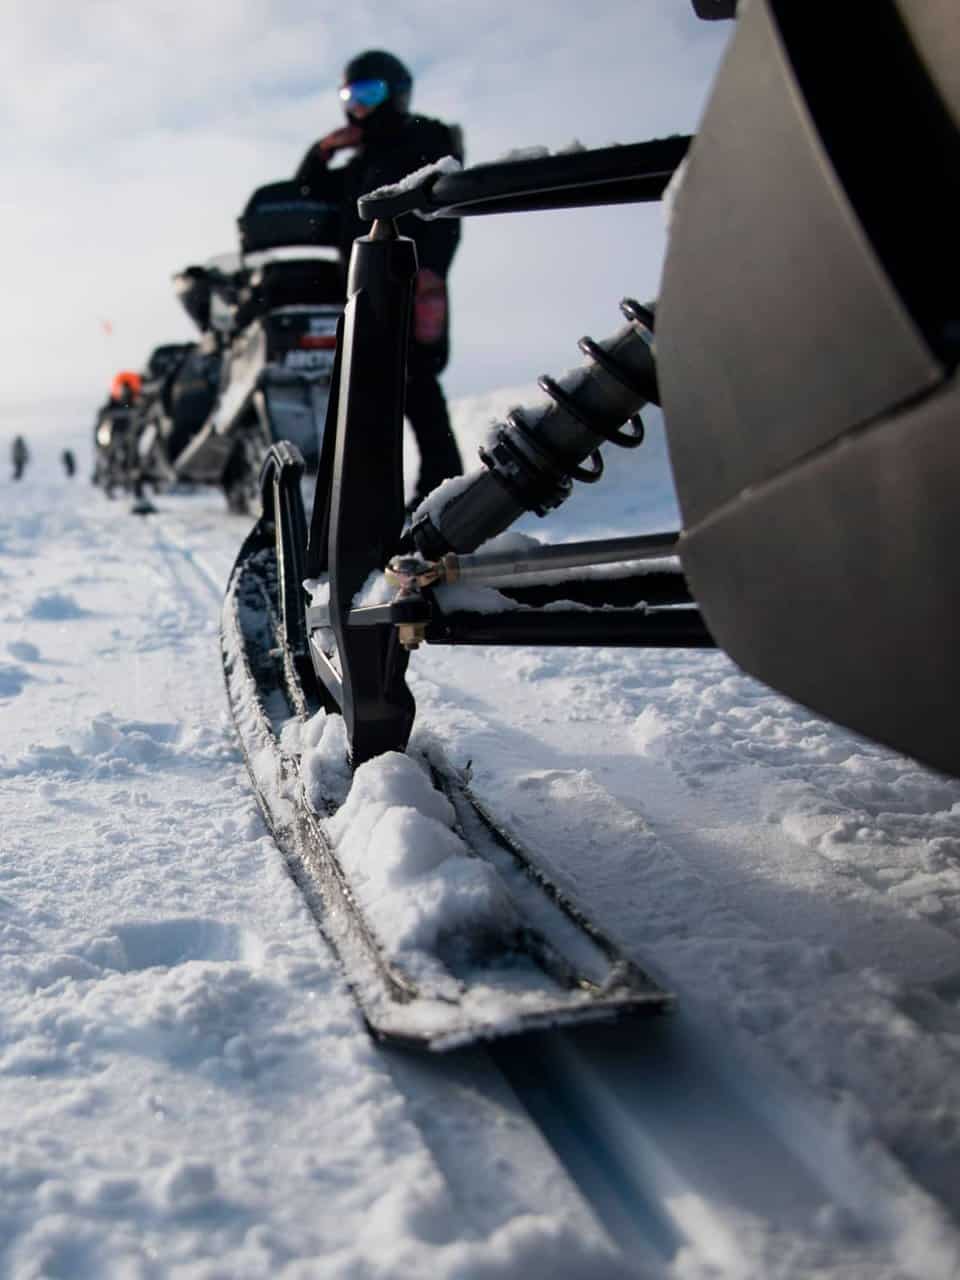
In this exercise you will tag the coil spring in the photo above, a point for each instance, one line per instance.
(622, 437)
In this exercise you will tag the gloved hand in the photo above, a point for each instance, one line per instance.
(429, 307)
(348, 135)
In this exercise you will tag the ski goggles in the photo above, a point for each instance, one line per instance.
(365, 93)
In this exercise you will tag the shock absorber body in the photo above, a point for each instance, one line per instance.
(532, 459)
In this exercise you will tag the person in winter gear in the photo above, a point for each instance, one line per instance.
(69, 461)
(124, 395)
(389, 143)
(20, 456)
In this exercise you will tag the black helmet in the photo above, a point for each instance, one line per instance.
(376, 64)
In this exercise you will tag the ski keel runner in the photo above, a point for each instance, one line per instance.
(547, 967)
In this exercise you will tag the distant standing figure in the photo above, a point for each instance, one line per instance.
(69, 461)
(20, 456)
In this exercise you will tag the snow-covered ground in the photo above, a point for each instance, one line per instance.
(186, 1089)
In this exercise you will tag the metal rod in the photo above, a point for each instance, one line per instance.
(637, 171)
(497, 566)
(623, 588)
(625, 628)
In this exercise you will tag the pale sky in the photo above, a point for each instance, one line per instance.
(134, 132)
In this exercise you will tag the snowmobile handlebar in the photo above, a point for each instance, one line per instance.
(638, 172)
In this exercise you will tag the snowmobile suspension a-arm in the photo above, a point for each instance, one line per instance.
(530, 463)
(637, 604)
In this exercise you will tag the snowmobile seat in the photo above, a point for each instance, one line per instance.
(278, 215)
(808, 336)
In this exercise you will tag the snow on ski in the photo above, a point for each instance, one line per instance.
(479, 974)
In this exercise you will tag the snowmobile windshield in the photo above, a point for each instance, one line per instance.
(365, 93)
(227, 263)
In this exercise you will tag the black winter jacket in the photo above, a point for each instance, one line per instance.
(400, 145)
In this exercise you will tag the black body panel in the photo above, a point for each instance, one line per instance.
(301, 282)
(192, 396)
(838, 582)
(777, 326)
(194, 293)
(806, 347)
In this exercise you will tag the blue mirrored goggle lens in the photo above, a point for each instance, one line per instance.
(365, 93)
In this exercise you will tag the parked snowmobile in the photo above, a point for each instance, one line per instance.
(805, 360)
(114, 433)
(163, 373)
(175, 408)
(261, 372)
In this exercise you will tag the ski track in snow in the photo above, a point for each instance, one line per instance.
(186, 1088)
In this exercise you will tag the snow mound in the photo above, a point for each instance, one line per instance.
(24, 650)
(55, 606)
(108, 746)
(12, 679)
(376, 590)
(410, 870)
(322, 743)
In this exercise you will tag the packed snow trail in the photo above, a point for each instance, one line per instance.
(185, 1086)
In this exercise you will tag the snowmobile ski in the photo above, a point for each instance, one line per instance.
(553, 969)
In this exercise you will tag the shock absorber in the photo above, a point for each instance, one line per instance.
(532, 458)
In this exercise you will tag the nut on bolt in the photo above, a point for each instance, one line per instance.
(412, 573)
